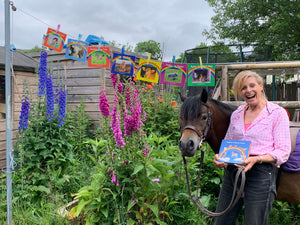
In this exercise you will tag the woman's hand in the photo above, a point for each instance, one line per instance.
(249, 163)
(219, 164)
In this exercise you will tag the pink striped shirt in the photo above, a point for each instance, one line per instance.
(269, 133)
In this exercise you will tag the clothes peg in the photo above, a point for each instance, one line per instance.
(58, 27)
(149, 57)
(79, 37)
(122, 53)
(200, 60)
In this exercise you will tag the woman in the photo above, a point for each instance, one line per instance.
(266, 125)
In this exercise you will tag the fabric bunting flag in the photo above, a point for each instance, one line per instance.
(148, 70)
(76, 50)
(123, 64)
(173, 74)
(54, 39)
(201, 75)
(98, 56)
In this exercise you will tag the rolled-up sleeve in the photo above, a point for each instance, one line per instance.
(282, 138)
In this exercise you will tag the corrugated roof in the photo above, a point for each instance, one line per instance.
(20, 61)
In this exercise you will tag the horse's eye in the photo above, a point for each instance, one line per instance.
(204, 117)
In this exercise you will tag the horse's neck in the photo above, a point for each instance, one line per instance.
(220, 123)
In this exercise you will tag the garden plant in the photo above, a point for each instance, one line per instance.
(128, 170)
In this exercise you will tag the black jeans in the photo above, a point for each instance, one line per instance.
(259, 195)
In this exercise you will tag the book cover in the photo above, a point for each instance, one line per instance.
(234, 151)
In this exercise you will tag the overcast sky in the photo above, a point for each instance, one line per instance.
(176, 24)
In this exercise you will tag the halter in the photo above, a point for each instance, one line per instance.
(207, 128)
(236, 195)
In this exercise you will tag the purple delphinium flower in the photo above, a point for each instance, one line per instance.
(103, 104)
(114, 79)
(50, 96)
(42, 73)
(23, 123)
(62, 107)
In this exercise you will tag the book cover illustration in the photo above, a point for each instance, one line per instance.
(173, 74)
(54, 40)
(98, 56)
(76, 50)
(123, 64)
(148, 70)
(201, 75)
(234, 151)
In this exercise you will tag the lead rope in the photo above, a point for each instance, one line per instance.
(234, 200)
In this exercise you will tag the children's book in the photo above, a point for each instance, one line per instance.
(234, 151)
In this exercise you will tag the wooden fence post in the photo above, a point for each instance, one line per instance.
(224, 84)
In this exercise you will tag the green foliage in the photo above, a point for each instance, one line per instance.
(150, 46)
(267, 23)
(34, 49)
(46, 156)
(142, 183)
(127, 46)
(162, 114)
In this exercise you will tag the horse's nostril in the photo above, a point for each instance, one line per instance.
(191, 144)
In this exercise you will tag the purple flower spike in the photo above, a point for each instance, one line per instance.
(42, 73)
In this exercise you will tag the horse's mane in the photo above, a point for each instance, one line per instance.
(191, 107)
(225, 107)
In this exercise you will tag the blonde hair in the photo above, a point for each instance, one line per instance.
(238, 82)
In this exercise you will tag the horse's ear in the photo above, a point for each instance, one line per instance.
(182, 97)
(204, 95)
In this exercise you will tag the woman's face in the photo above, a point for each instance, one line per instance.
(251, 91)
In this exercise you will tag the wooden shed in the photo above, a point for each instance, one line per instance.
(23, 68)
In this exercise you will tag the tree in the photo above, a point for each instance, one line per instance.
(217, 53)
(34, 49)
(272, 24)
(126, 47)
(150, 46)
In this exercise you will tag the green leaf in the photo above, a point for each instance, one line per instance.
(104, 212)
(154, 209)
(41, 189)
(130, 222)
(137, 169)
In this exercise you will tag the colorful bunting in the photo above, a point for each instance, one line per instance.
(55, 39)
(201, 75)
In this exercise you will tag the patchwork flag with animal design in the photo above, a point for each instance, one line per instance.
(76, 50)
(148, 70)
(173, 74)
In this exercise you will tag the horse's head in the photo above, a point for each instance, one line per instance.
(195, 122)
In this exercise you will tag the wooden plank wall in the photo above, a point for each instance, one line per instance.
(82, 83)
(18, 80)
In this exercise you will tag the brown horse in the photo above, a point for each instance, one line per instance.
(204, 119)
